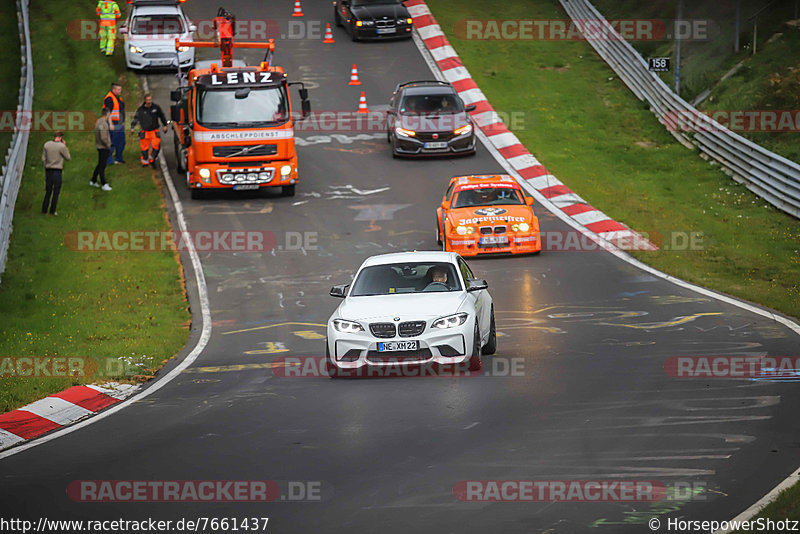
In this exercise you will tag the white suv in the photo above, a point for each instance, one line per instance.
(150, 31)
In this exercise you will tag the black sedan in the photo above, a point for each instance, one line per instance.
(373, 19)
(427, 118)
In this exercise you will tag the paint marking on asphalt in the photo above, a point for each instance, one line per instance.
(272, 326)
(238, 367)
(674, 322)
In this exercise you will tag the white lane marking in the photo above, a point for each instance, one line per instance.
(589, 217)
(544, 181)
(504, 139)
(56, 410)
(470, 96)
(341, 138)
(456, 74)
(431, 30)
(762, 502)
(7, 438)
(205, 335)
(523, 161)
(419, 10)
(569, 199)
(487, 118)
(471, 425)
(443, 52)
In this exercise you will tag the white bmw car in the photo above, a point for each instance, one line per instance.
(408, 309)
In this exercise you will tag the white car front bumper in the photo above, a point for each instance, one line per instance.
(440, 346)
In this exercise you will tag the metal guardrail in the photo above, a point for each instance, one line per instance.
(768, 175)
(11, 175)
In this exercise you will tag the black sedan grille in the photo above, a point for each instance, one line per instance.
(411, 328)
(428, 136)
(383, 330)
(245, 151)
(385, 23)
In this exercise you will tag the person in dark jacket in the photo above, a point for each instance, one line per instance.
(102, 138)
(148, 116)
(54, 154)
(113, 101)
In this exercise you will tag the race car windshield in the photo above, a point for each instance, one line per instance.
(430, 104)
(487, 196)
(157, 25)
(397, 278)
(224, 108)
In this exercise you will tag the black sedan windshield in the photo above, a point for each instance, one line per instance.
(430, 104)
(256, 107)
(398, 278)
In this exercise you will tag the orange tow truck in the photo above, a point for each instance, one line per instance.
(233, 123)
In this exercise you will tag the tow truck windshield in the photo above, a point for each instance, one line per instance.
(243, 107)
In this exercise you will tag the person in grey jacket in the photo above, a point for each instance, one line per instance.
(54, 154)
(102, 138)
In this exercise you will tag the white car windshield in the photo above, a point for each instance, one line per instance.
(243, 107)
(157, 25)
(396, 278)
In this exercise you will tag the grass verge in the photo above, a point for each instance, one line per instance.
(785, 506)
(591, 132)
(9, 73)
(118, 313)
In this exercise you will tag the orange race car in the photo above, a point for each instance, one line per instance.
(487, 214)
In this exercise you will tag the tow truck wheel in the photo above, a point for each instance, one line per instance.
(287, 190)
(179, 156)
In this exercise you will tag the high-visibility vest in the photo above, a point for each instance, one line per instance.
(115, 116)
(108, 12)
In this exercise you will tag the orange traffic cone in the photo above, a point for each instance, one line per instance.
(328, 34)
(354, 76)
(298, 11)
(362, 104)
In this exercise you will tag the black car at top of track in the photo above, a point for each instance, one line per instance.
(427, 118)
(373, 19)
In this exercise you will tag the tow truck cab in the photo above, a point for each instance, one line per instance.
(235, 128)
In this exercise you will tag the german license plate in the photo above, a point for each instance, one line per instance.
(245, 187)
(494, 240)
(435, 144)
(160, 62)
(387, 30)
(391, 346)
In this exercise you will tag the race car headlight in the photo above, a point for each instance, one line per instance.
(464, 230)
(451, 321)
(286, 170)
(409, 20)
(183, 49)
(359, 23)
(463, 130)
(347, 326)
(521, 227)
(135, 49)
(205, 174)
(404, 133)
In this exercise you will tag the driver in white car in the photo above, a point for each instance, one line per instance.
(438, 278)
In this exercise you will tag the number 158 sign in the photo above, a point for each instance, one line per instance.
(658, 64)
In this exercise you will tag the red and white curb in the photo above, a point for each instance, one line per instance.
(59, 410)
(508, 145)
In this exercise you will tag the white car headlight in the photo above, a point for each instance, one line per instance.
(347, 326)
(451, 320)
(135, 49)
(183, 49)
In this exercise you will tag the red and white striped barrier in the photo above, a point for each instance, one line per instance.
(507, 144)
(59, 410)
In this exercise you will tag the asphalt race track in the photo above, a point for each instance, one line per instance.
(586, 334)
